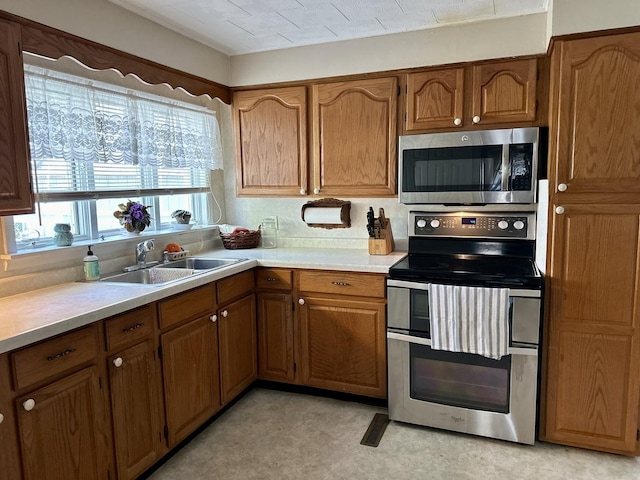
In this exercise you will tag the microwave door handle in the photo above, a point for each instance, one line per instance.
(506, 167)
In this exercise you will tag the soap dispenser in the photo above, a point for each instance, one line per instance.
(91, 266)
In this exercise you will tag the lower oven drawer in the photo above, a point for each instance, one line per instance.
(462, 392)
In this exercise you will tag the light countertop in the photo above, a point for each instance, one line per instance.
(37, 315)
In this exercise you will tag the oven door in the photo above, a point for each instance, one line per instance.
(462, 392)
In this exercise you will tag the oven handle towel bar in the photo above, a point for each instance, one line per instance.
(513, 292)
(427, 342)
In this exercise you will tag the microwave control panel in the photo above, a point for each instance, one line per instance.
(468, 224)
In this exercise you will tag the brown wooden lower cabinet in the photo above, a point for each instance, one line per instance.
(9, 444)
(593, 328)
(275, 337)
(238, 347)
(62, 429)
(136, 409)
(190, 373)
(343, 345)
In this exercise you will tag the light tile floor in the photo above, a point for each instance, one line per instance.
(280, 435)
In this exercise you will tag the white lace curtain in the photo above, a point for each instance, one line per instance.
(81, 120)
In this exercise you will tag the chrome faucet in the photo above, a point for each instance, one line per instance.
(141, 252)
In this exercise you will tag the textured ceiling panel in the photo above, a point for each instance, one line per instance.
(245, 26)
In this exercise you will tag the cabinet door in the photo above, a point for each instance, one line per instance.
(595, 137)
(10, 449)
(62, 429)
(343, 345)
(354, 138)
(504, 92)
(271, 141)
(593, 379)
(136, 409)
(238, 347)
(275, 337)
(15, 181)
(434, 99)
(191, 381)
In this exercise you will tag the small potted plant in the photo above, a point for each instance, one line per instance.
(181, 216)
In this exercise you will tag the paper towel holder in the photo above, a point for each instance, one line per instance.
(344, 220)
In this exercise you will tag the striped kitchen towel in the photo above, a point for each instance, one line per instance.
(469, 319)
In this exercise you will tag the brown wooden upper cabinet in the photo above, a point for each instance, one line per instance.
(271, 141)
(15, 182)
(597, 137)
(492, 93)
(354, 137)
(350, 149)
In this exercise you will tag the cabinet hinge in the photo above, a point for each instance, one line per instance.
(405, 116)
(295, 367)
(638, 435)
(160, 352)
(398, 90)
(20, 49)
(166, 432)
(100, 382)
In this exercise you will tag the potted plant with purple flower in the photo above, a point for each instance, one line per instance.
(133, 216)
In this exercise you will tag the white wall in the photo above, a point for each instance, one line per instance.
(523, 35)
(573, 16)
(111, 25)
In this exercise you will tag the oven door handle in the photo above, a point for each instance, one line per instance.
(427, 342)
(513, 292)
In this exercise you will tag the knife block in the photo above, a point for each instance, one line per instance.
(383, 245)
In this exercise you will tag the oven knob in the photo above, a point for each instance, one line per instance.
(518, 224)
(503, 224)
(421, 223)
(435, 223)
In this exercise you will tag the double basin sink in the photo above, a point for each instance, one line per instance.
(172, 271)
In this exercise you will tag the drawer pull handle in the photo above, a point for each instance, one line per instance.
(118, 362)
(29, 404)
(62, 354)
(132, 328)
(1, 418)
(224, 313)
(341, 284)
(271, 279)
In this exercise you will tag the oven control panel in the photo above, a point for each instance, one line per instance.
(518, 225)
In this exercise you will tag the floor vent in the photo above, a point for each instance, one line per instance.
(375, 431)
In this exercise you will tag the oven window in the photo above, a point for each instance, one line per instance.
(453, 169)
(460, 379)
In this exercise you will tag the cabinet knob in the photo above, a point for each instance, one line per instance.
(562, 187)
(457, 122)
(118, 362)
(301, 301)
(476, 119)
(559, 210)
(1, 418)
(316, 191)
(303, 191)
(29, 404)
(213, 318)
(224, 313)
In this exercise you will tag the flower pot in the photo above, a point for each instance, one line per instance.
(63, 236)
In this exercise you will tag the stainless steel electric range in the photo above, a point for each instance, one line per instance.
(452, 390)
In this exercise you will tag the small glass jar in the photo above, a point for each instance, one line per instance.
(268, 233)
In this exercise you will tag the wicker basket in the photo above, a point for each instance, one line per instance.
(233, 241)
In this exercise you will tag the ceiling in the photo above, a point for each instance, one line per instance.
(238, 27)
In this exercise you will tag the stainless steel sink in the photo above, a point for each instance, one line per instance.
(196, 263)
(172, 271)
(152, 276)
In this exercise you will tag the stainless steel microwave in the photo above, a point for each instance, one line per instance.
(478, 167)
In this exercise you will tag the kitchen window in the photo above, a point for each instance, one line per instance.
(95, 144)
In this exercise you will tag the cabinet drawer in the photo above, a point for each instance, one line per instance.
(234, 287)
(189, 305)
(54, 356)
(129, 327)
(274, 278)
(342, 283)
